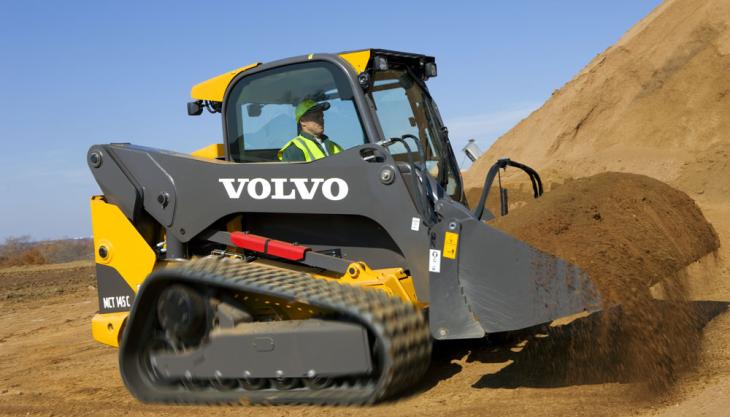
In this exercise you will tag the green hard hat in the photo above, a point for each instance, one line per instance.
(309, 105)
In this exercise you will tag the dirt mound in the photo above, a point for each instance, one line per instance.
(616, 227)
(627, 232)
(657, 103)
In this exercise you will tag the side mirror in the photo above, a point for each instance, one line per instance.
(195, 108)
(472, 151)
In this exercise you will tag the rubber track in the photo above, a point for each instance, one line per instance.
(400, 327)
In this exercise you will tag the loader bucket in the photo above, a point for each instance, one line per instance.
(510, 285)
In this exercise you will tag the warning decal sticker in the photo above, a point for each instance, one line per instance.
(434, 260)
(451, 241)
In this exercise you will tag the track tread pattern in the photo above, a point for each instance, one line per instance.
(400, 328)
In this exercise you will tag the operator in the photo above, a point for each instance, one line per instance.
(311, 143)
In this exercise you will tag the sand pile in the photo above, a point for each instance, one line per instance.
(657, 103)
(627, 232)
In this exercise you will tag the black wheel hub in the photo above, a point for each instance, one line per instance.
(181, 311)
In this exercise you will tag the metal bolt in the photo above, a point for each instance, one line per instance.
(163, 198)
(279, 374)
(182, 231)
(95, 159)
(363, 79)
(311, 373)
(103, 252)
(452, 226)
(443, 332)
(387, 175)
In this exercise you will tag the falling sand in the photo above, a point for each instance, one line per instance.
(628, 232)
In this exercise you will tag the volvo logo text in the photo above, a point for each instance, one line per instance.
(333, 189)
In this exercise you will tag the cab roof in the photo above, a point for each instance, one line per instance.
(214, 89)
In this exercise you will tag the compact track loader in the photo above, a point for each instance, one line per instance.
(232, 274)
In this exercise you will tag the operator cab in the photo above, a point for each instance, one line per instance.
(260, 110)
(371, 96)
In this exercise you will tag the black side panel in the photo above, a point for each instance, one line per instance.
(202, 191)
(358, 237)
(114, 292)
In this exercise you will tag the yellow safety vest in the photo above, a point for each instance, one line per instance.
(310, 148)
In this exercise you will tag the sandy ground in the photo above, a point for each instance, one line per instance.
(50, 366)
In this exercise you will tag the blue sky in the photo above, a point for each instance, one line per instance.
(78, 73)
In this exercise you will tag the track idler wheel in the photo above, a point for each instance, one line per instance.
(158, 344)
(182, 313)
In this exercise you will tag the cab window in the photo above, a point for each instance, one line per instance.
(260, 110)
(405, 110)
